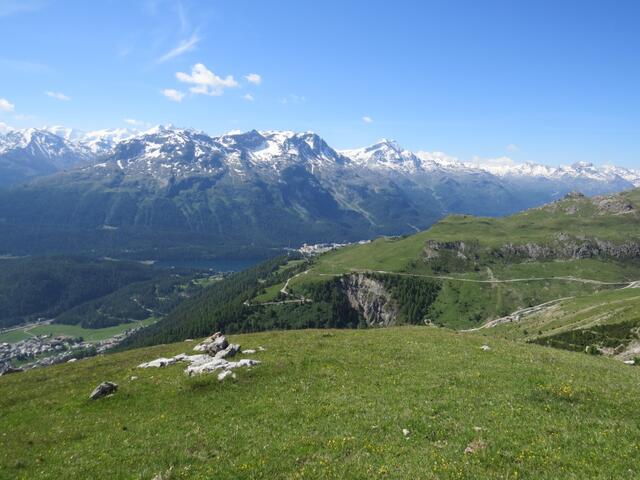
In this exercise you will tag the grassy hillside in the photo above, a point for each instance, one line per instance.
(485, 266)
(608, 322)
(330, 404)
(481, 268)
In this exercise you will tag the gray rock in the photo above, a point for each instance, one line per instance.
(158, 363)
(218, 344)
(8, 370)
(230, 351)
(369, 297)
(104, 389)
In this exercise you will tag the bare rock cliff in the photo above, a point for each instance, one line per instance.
(369, 297)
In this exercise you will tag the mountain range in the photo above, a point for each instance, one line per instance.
(175, 189)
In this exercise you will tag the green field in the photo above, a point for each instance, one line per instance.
(606, 319)
(89, 334)
(331, 404)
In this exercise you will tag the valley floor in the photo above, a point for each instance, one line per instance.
(331, 404)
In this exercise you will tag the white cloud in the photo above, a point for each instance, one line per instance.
(58, 96)
(132, 121)
(173, 95)
(254, 78)
(512, 147)
(206, 82)
(183, 47)
(493, 162)
(295, 99)
(248, 97)
(366, 119)
(4, 128)
(6, 105)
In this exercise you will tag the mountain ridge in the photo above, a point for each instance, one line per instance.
(381, 154)
(255, 189)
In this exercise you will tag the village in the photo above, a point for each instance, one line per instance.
(44, 350)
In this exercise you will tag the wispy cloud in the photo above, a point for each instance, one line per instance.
(206, 82)
(367, 119)
(57, 96)
(173, 94)
(182, 16)
(248, 97)
(133, 122)
(295, 99)
(22, 65)
(184, 46)
(254, 78)
(6, 105)
(512, 147)
(4, 128)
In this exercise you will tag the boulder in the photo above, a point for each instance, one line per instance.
(230, 351)
(220, 343)
(104, 389)
(206, 367)
(225, 374)
(9, 369)
(245, 362)
(158, 362)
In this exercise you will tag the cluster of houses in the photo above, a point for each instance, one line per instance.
(45, 350)
(319, 248)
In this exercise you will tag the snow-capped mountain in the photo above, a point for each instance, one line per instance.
(33, 152)
(268, 187)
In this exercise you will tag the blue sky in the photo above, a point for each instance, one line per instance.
(547, 81)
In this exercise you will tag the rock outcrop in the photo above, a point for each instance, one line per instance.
(370, 298)
(217, 349)
(104, 389)
(571, 249)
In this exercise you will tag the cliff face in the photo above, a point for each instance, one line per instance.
(572, 249)
(370, 298)
(562, 246)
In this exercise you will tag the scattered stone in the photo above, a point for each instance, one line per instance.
(9, 369)
(225, 374)
(71, 360)
(478, 429)
(158, 363)
(475, 447)
(406, 432)
(485, 348)
(262, 349)
(104, 389)
(217, 349)
(248, 352)
(133, 378)
(211, 365)
(218, 344)
(230, 351)
(189, 340)
(630, 362)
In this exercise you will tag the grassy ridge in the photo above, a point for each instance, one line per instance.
(606, 319)
(330, 404)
